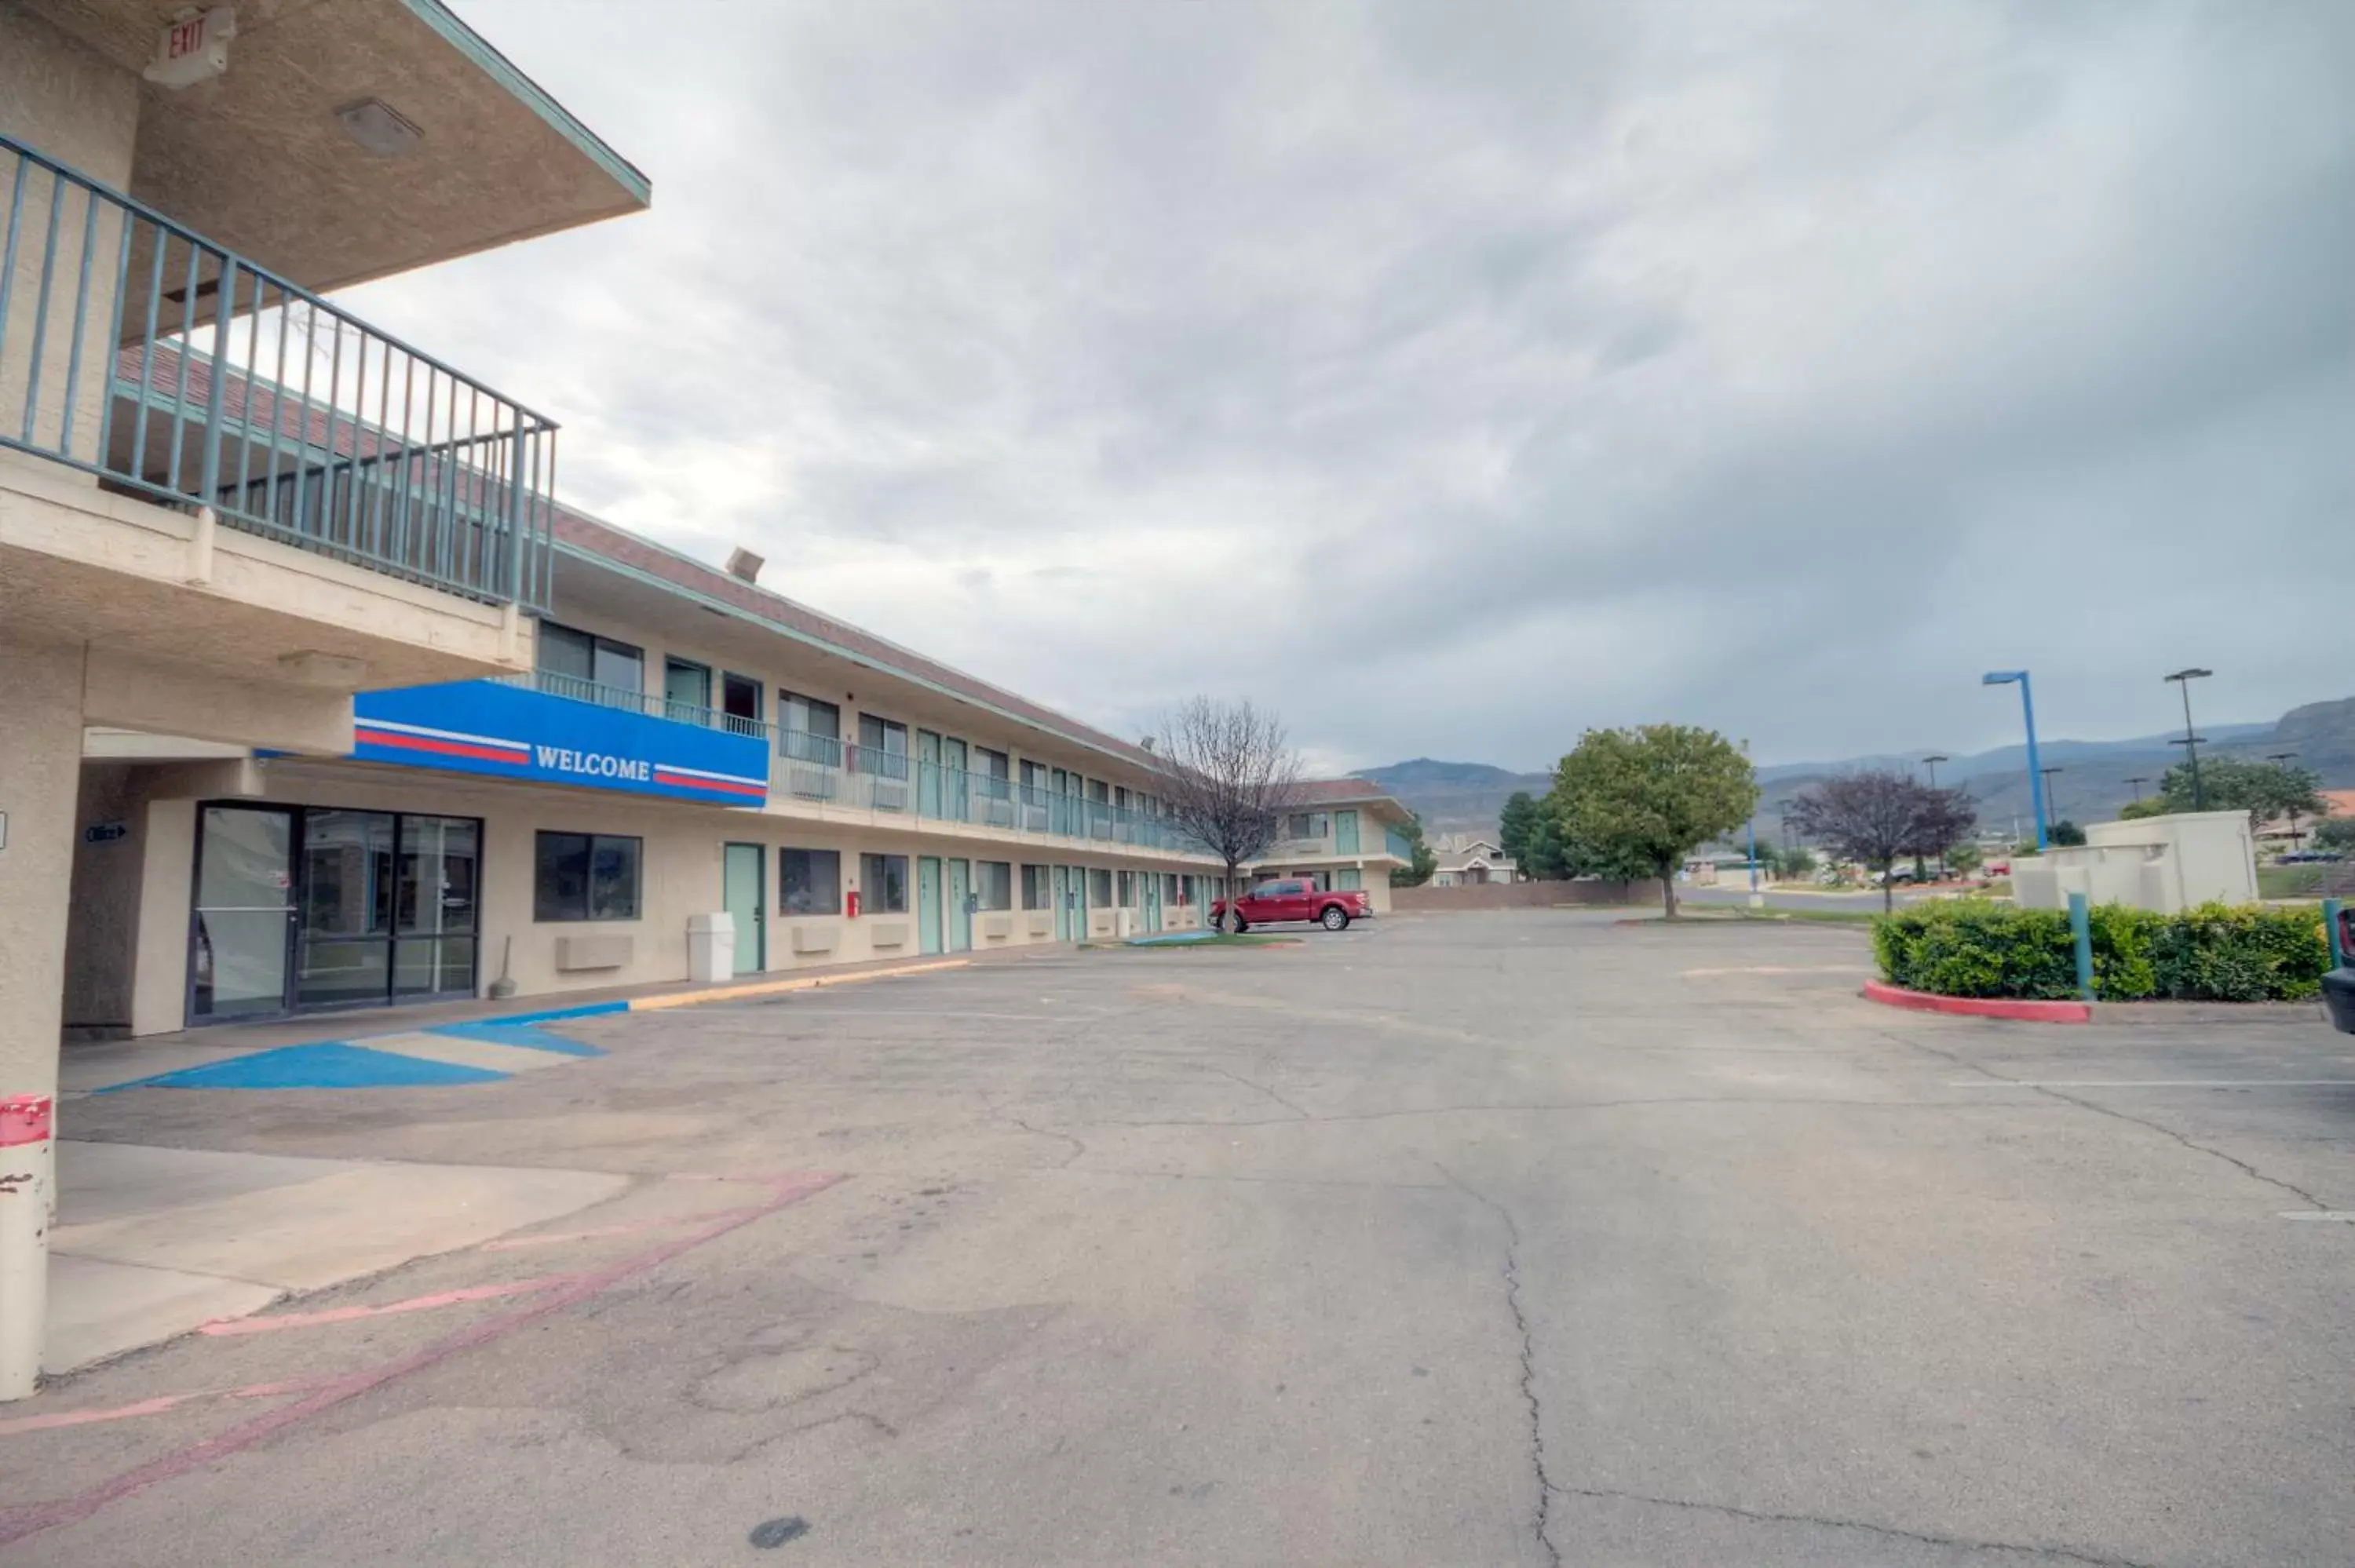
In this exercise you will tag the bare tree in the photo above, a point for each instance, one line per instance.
(1232, 776)
(1877, 817)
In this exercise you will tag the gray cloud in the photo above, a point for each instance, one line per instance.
(1453, 378)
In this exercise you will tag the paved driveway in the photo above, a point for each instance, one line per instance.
(1525, 1237)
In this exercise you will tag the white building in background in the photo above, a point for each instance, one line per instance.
(1466, 861)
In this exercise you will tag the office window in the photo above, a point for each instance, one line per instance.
(1036, 887)
(1099, 791)
(993, 884)
(883, 883)
(1033, 778)
(585, 876)
(809, 882)
(599, 660)
(1310, 825)
(1098, 889)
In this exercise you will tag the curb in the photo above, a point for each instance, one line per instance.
(768, 987)
(1890, 995)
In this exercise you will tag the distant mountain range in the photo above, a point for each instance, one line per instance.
(2097, 777)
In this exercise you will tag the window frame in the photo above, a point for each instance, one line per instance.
(593, 844)
(875, 878)
(984, 872)
(1045, 886)
(784, 882)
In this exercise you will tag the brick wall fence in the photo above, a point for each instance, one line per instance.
(1522, 895)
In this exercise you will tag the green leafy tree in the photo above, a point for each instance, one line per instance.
(1798, 865)
(2266, 790)
(1634, 802)
(2148, 806)
(2065, 834)
(2336, 834)
(1965, 858)
(1420, 860)
(1516, 825)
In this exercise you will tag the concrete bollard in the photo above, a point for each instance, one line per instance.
(27, 1186)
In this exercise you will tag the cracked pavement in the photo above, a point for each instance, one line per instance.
(1510, 1239)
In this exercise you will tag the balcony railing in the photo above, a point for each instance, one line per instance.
(134, 349)
(825, 769)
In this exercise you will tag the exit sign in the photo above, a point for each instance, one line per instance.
(193, 49)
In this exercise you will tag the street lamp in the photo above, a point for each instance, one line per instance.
(2138, 781)
(2283, 759)
(2053, 796)
(2028, 713)
(2190, 742)
(1931, 762)
(1757, 899)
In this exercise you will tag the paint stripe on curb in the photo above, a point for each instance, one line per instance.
(2014, 1008)
(777, 987)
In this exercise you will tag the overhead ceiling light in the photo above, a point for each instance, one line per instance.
(379, 127)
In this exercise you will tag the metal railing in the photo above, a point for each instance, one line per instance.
(134, 349)
(823, 769)
(575, 688)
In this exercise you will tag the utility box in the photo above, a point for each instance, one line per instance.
(1124, 925)
(711, 948)
(2162, 864)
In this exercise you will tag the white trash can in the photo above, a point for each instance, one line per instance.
(711, 948)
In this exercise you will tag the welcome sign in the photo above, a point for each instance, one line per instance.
(509, 732)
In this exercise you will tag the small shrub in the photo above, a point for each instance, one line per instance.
(1974, 947)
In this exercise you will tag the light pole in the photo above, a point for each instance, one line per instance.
(2028, 713)
(2191, 742)
(2138, 781)
(1931, 762)
(1757, 899)
(2283, 759)
(2053, 796)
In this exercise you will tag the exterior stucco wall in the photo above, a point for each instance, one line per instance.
(41, 770)
(681, 859)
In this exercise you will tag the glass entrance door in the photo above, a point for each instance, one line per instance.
(298, 908)
(436, 906)
(244, 912)
(343, 943)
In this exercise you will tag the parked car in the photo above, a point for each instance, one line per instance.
(2339, 985)
(1294, 898)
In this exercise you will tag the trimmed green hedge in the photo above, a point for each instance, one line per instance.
(2216, 952)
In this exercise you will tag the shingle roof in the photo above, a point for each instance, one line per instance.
(588, 537)
(1340, 791)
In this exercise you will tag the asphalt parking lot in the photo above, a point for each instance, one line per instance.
(1524, 1237)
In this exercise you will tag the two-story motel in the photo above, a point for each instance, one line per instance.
(688, 743)
(311, 697)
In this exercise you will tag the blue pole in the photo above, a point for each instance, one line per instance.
(2035, 773)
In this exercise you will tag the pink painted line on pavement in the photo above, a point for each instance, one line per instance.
(415, 1303)
(21, 1523)
(155, 1406)
(517, 1243)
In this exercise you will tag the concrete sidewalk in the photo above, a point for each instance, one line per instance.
(86, 1069)
(152, 1243)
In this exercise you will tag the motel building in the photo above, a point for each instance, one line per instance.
(313, 699)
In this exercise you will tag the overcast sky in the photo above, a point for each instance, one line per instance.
(1454, 378)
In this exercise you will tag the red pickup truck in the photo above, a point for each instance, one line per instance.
(1293, 898)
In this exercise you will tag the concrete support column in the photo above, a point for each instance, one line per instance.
(40, 773)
